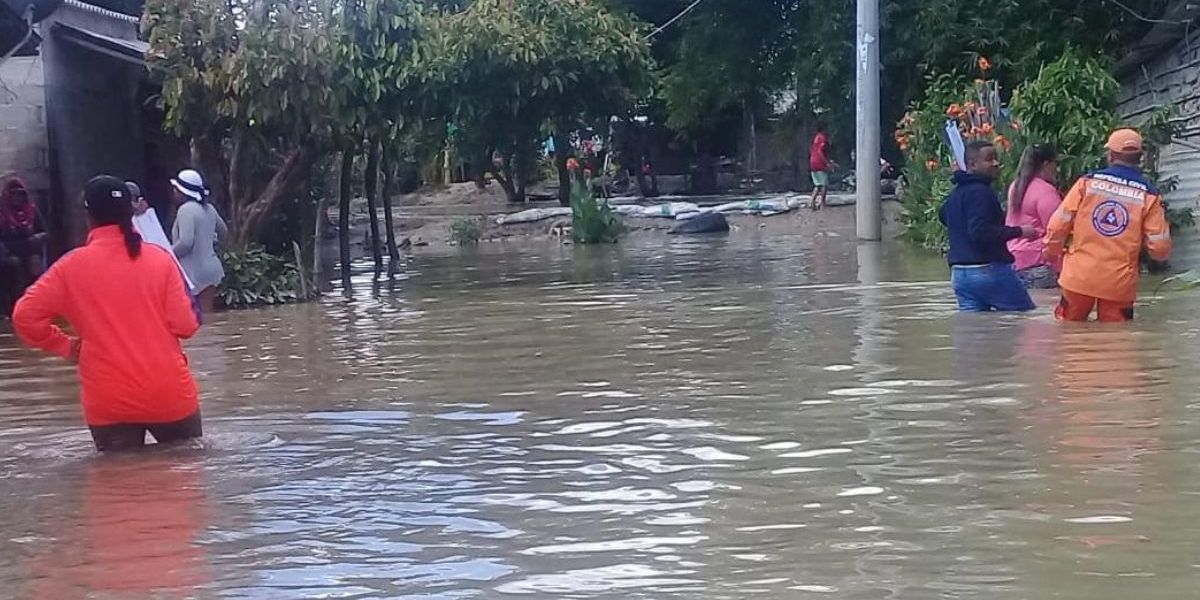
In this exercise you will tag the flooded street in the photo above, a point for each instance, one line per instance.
(759, 415)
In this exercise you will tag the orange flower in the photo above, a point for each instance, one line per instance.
(954, 110)
(986, 129)
(932, 164)
(985, 65)
(903, 146)
(1002, 142)
(572, 164)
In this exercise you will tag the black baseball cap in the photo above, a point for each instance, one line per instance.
(104, 188)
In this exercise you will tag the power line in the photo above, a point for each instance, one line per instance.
(677, 17)
(1146, 19)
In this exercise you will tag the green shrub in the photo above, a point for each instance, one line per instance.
(592, 222)
(255, 277)
(466, 231)
(1158, 128)
(1181, 219)
(1072, 105)
(929, 161)
(923, 226)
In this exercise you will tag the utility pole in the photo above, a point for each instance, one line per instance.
(866, 60)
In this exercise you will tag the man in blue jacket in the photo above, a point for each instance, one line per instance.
(981, 267)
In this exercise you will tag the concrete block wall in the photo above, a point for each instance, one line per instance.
(24, 150)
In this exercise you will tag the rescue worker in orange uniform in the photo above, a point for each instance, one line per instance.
(127, 303)
(1102, 225)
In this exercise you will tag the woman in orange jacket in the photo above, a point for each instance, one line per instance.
(127, 304)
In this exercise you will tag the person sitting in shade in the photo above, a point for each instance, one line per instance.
(23, 234)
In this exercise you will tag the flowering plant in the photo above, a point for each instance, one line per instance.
(976, 111)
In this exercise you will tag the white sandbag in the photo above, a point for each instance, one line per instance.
(761, 207)
(674, 209)
(533, 215)
(668, 210)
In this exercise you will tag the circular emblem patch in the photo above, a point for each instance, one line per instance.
(1110, 218)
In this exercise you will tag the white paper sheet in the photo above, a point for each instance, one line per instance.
(148, 226)
(954, 136)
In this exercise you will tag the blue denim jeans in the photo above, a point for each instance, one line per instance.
(990, 287)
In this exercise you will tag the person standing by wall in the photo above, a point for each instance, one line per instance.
(198, 228)
(127, 303)
(1101, 227)
(980, 264)
(820, 165)
(1032, 200)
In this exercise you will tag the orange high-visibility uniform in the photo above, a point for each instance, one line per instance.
(1102, 225)
(130, 314)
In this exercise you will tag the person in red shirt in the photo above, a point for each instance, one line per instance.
(127, 304)
(820, 165)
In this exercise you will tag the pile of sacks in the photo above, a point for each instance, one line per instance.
(680, 211)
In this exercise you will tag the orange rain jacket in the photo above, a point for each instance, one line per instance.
(1102, 225)
(130, 315)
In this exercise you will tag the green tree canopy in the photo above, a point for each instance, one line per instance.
(247, 82)
(508, 70)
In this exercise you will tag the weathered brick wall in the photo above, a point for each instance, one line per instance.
(23, 146)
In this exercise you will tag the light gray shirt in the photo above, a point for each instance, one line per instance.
(197, 229)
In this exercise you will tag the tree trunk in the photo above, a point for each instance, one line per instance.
(482, 165)
(752, 128)
(255, 216)
(505, 178)
(520, 169)
(238, 185)
(208, 157)
(372, 189)
(318, 242)
(561, 152)
(345, 188)
(389, 188)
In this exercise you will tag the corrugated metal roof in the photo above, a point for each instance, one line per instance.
(112, 14)
(1183, 163)
(130, 50)
(1172, 78)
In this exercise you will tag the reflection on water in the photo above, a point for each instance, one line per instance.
(745, 416)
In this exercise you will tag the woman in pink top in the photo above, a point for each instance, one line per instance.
(1032, 200)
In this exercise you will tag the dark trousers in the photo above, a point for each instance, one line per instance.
(132, 436)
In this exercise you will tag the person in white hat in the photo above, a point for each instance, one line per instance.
(198, 227)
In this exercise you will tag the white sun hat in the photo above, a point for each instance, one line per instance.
(190, 184)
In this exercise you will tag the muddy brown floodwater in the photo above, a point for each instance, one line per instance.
(760, 415)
